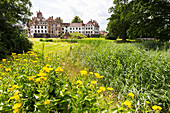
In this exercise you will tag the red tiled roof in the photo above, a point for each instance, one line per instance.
(76, 24)
(38, 13)
(93, 23)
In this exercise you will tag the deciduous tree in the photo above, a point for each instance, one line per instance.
(77, 20)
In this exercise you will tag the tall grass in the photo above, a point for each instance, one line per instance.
(129, 68)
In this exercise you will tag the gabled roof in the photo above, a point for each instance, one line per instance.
(76, 24)
(93, 22)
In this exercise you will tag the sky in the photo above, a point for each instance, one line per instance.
(68, 9)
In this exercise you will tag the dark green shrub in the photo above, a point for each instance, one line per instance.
(13, 41)
(41, 39)
(48, 40)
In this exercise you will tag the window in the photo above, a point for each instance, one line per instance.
(38, 31)
(45, 31)
(45, 27)
(35, 27)
(76, 28)
(62, 28)
(79, 32)
(73, 28)
(79, 28)
(35, 31)
(70, 31)
(52, 31)
(49, 24)
(56, 28)
(70, 28)
(41, 31)
(38, 27)
(66, 26)
(41, 27)
(52, 24)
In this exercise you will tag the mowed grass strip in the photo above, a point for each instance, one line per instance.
(61, 48)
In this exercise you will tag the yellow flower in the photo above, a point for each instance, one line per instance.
(37, 80)
(47, 102)
(79, 82)
(48, 65)
(101, 77)
(0, 78)
(17, 59)
(58, 58)
(30, 78)
(131, 95)
(19, 54)
(8, 61)
(83, 72)
(3, 74)
(16, 106)
(109, 88)
(154, 107)
(58, 70)
(8, 69)
(147, 102)
(98, 91)
(93, 82)
(34, 61)
(91, 73)
(3, 60)
(127, 103)
(15, 110)
(49, 59)
(159, 108)
(13, 54)
(16, 97)
(43, 78)
(25, 60)
(16, 93)
(102, 88)
(98, 75)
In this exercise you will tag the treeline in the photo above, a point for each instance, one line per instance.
(140, 18)
(13, 14)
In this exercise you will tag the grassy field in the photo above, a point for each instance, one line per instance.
(61, 48)
(90, 75)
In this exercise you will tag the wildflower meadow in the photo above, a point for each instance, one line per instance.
(111, 78)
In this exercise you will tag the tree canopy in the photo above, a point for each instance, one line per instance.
(140, 18)
(77, 20)
(12, 14)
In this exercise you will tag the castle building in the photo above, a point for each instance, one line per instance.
(41, 27)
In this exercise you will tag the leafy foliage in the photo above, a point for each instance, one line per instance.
(132, 19)
(12, 38)
(77, 20)
(130, 68)
(32, 83)
(77, 35)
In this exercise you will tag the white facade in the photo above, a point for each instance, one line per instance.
(38, 29)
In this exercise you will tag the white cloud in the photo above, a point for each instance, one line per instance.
(67, 9)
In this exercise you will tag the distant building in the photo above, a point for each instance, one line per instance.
(41, 27)
(101, 32)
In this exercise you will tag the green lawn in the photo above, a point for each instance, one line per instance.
(60, 48)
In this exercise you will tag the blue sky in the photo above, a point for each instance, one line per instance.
(67, 9)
